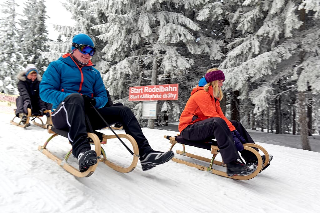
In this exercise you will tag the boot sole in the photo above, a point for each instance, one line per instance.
(149, 166)
(238, 174)
(85, 166)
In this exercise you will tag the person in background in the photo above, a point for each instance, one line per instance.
(203, 119)
(165, 118)
(74, 87)
(28, 87)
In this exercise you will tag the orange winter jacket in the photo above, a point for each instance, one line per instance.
(200, 106)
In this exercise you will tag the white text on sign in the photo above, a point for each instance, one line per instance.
(154, 92)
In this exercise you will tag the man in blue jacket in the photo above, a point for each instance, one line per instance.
(73, 85)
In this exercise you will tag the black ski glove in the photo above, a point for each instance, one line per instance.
(26, 105)
(88, 102)
(41, 112)
(240, 137)
(237, 141)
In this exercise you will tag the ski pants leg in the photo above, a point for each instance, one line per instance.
(213, 127)
(243, 132)
(22, 106)
(19, 104)
(48, 107)
(125, 116)
(70, 116)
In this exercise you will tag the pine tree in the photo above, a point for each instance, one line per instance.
(34, 34)
(85, 19)
(137, 38)
(266, 45)
(143, 37)
(9, 53)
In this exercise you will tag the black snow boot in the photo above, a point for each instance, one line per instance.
(23, 117)
(264, 159)
(255, 161)
(87, 159)
(153, 158)
(235, 168)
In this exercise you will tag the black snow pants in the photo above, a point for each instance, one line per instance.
(22, 106)
(217, 128)
(70, 115)
(213, 128)
(247, 156)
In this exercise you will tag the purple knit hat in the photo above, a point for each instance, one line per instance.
(214, 75)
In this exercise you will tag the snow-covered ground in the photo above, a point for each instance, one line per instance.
(31, 182)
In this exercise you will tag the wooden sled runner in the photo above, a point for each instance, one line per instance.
(33, 118)
(116, 128)
(215, 151)
(98, 149)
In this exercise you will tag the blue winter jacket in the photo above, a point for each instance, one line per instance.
(63, 77)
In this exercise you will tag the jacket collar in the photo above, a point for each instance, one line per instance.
(66, 58)
(210, 91)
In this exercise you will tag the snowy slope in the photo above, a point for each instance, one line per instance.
(31, 182)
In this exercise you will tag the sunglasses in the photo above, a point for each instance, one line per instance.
(85, 49)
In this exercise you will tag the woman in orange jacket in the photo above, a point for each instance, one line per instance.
(202, 119)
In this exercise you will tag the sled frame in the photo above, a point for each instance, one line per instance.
(215, 151)
(99, 151)
(32, 118)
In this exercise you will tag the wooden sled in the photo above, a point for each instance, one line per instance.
(98, 149)
(116, 128)
(215, 151)
(32, 117)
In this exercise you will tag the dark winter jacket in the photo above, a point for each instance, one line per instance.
(29, 91)
(64, 77)
(200, 106)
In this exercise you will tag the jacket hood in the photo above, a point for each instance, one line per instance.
(22, 76)
(202, 82)
(196, 89)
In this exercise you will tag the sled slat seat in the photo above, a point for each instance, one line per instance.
(205, 144)
(61, 132)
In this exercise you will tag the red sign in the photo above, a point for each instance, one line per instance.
(154, 92)
(8, 98)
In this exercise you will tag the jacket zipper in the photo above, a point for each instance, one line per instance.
(80, 87)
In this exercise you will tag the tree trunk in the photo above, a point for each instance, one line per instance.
(246, 107)
(262, 120)
(303, 122)
(309, 111)
(235, 104)
(249, 118)
(253, 119)
(278, 114)
(140, 72)
(294, 124)
(153, 82)
(268, 119)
